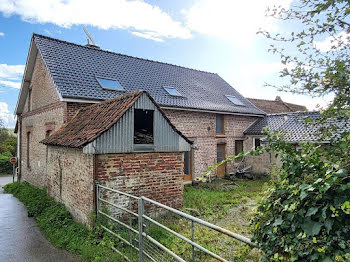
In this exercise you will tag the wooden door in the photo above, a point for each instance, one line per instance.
(220, 152)
(188, 166)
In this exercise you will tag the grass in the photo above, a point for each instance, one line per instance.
(224, 203)
(58, 226)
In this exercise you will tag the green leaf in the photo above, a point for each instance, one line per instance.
(311, 211)
(311, 228)
(278, 221)
(328, 224)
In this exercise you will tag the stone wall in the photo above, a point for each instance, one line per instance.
(158, 176)
(70, 180)
(261, 164)
(201, 129)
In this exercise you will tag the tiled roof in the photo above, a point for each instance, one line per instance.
(294, 128)
(74, 69)
(90, 122)
(276, 106)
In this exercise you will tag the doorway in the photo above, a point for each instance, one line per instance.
(220, 155)
(188, 166)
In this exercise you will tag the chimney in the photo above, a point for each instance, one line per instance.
(278, 98)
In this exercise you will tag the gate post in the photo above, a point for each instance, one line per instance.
(140, 213)
(97, 189)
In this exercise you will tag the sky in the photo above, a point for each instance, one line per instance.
(212, 35)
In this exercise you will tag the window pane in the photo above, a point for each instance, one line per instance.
(235, 100)
(219, 124)
(110, 84)
(187, 170)
(238, 146)
(172, 91)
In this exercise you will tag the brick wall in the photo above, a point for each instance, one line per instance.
(158, 176)
(46, 109)
(70, 180)
(73, 108)
(201, 129)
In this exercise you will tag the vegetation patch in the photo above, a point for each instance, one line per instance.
(228, 204)
(59, 227)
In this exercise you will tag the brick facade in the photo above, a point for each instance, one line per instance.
(70, 180)
(201, 129)
(158, 176)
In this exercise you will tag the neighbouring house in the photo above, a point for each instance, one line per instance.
(294, 129)
(276, 106)
(126, 143)
(61, 78)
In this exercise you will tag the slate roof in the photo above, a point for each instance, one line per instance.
(90, 122)
(74, 69)
(276, 106)
(294, 127)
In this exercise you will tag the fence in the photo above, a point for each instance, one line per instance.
(127, 212)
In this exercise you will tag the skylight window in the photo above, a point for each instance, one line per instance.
(111, 84)
(172, 91)
(235, 100)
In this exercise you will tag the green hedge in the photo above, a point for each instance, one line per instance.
(5, 164)
(59, 227)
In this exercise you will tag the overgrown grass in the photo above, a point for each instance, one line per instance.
(59, 227)
(225, 203)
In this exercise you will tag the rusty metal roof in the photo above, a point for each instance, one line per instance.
(90, 122)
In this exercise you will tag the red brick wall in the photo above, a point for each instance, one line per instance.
(158, 176)
(73, 108)
(70, 180)
(201, 129)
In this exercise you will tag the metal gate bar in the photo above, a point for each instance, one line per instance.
(143, 236)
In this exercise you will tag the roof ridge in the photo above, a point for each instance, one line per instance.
(116, 53)
(292, 113)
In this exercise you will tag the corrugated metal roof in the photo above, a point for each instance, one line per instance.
(74, 69)
(92, 121)
(294, 127)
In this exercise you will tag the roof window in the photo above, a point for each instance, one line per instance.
(235, 100)
(172, 91)
(111, 84)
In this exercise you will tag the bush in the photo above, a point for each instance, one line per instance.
(59, 227)
(5, 164)
(306, 215)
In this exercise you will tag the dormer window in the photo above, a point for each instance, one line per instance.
(235, 100)
(172, 91)
(111, 84)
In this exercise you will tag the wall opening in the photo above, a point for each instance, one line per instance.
(143, 126)
(28, 150)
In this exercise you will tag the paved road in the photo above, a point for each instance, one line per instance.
(20, 238)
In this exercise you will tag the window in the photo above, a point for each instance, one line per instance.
(238, 146)
(187, 163)
(143, 126)
(220, 124)
(110, 84)
(172, 91)
(48, 133)
(29, 99)
(235, 100)
(257, 142)
(28, 149)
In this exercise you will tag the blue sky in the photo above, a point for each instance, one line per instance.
(212, 35)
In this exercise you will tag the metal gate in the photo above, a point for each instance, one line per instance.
(125, 218)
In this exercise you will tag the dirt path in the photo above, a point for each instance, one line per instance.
(20, 238)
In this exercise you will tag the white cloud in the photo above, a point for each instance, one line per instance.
(11, 84)
(237, 21)
(333, 42)
(6, 116)
(148, 35)
(11, 72)
(2, 34)
(103, 14)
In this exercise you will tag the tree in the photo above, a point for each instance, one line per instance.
(306, 215)
(312, 68)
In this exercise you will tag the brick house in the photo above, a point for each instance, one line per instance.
(61, 77)
(126, 143)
